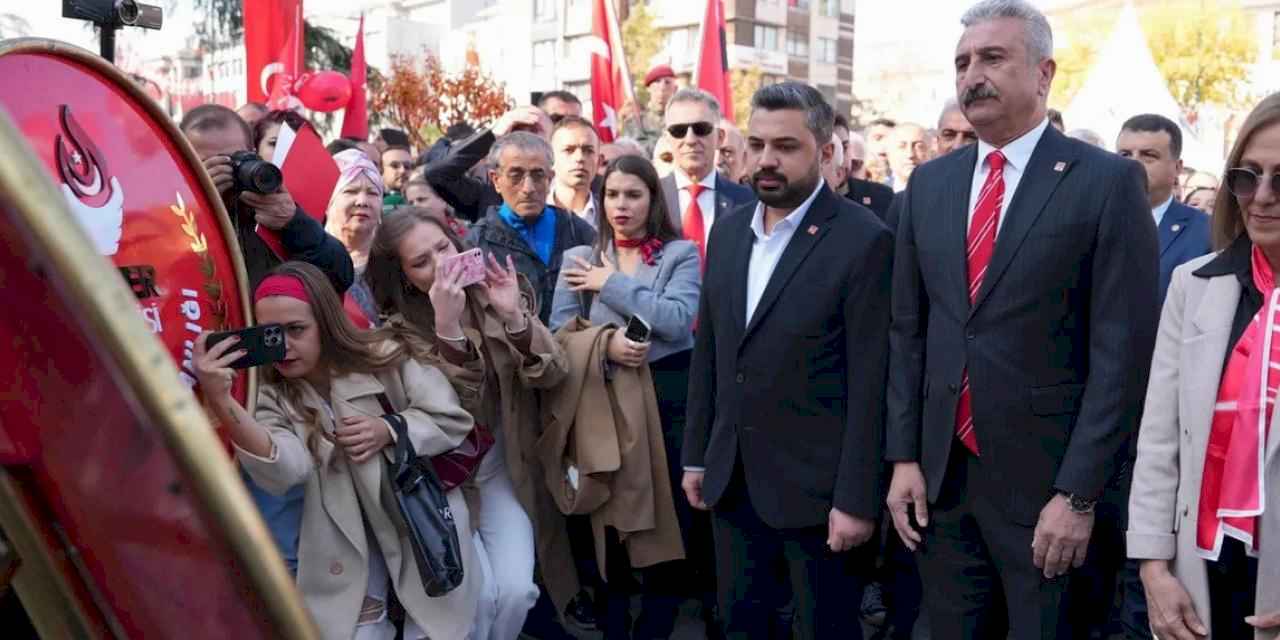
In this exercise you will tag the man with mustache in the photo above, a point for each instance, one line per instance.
(697, 195)
(785, 410)
(1024, 315)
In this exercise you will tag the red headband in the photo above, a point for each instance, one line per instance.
(281, 285)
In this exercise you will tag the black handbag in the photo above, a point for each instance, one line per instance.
(424, 508)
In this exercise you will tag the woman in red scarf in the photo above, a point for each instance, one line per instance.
(1203, 508)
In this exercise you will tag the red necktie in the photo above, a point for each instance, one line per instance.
(981, 244)
(691, 221)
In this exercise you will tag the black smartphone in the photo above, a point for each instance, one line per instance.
(637, 330)
(263, 343)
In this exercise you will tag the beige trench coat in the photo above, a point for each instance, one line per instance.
(1191, 348)
(333, 550)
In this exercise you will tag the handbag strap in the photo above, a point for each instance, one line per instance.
(404, 448)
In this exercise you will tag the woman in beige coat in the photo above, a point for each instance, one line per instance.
(318, 424)
(1204, 510)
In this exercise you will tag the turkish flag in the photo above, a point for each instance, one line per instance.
(610, 80)
(712, 71)
(310, 175)
(355, 119)
(272, 45)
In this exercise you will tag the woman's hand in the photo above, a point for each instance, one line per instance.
(504, 290)
(625, 352)
(1266, 621)
(213, 366)
(589, 277)
(448, 298)
(1173, 617)
(363, 436)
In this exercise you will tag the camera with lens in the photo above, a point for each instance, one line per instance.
(252, 173)
(114, 13)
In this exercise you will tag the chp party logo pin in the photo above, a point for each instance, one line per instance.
(94, 195)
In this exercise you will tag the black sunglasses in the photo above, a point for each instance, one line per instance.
(700, 129)
(1243, 183)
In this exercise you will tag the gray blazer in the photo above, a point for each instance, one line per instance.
(665, 295)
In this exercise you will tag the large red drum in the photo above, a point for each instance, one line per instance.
(127, 517)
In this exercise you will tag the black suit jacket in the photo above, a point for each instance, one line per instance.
(1059, 340)
(798, 391)
(469, 197)
(729, 198)
(872, 195)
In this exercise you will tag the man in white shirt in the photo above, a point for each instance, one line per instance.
(576, 150)
(785, 412)
(697, 196)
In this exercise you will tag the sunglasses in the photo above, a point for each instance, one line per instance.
(700, 129)
(1243, 183)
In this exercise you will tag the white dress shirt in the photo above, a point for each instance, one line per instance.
(1158, 212)
(768, 248)
(1016, 154)
(706, 201)
(588, 212)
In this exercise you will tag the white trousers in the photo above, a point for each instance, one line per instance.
(504, 542)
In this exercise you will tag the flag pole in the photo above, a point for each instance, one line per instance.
(702, 40)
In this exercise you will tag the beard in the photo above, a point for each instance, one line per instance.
(788, 194)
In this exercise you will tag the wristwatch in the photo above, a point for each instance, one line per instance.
(1079, 504)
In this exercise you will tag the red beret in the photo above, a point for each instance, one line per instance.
(657, 73)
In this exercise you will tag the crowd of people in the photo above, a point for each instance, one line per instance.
(977, 376)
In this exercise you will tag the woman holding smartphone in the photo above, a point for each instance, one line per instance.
(486, 337)
(318, 424)
(639, 268)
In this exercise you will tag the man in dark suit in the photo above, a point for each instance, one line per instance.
(872, 195)
(1024, 315)
(697, 195)
(785, 396)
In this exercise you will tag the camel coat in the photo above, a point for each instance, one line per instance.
(603, 452)
(344, 502)
(1191, 350)
(503, 383)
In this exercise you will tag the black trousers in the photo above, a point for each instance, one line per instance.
(1233, 590)
(826, 587)
(976, 564)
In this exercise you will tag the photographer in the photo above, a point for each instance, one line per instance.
(217, 133)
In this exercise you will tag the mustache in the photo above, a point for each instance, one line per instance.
(978, 92)
(761, 175)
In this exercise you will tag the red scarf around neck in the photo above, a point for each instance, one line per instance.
(648, 246)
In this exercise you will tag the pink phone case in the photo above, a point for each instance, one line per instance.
(472, 266)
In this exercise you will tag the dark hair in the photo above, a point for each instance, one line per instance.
(1055, 117)
(659, 224)
(392, 291)
(340, 145)
(797, 96)
(840, 121)
(274, 118)
(394, 137)
(459, 131)
(883, 122)
(1154, 123)
(208, 117)
(559, 94)
(1227, 219)
(573, 121)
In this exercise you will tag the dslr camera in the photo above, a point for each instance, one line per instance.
(252, 173)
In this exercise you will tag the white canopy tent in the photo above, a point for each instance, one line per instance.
(1125, 82)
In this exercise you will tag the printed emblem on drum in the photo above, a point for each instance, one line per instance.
(94, 195)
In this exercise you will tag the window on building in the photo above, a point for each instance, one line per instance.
(766, 4)
(829, 8)
(766, 37)
(544, 10)
(802, 5)
(797, 44)
(826, 50)
(544, 61)
(680, 41)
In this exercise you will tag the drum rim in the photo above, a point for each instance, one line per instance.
(108, 310)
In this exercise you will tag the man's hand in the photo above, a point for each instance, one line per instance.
(531, 117)
(906, 489)
(692, 485)
(1267, 621)
(271, 210)
(845, 532)
(1172, 615)
(219, 170)
(1061, 538)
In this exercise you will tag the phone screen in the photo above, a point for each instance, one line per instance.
(637, 329)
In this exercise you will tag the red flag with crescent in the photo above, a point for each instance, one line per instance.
(272, 43)
(712, 70)
(355, 119)
(610, 80)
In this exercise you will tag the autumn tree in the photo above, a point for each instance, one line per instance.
(641, 41)
(744, 83)
(421, 98)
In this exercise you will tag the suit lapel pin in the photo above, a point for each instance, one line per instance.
(813, 229)
(1176, 227)
(1060, 167)
(866, 199)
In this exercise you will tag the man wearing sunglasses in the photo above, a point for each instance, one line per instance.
(697, 195)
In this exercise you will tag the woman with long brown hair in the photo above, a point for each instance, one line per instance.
(319, 424)
(488, 340)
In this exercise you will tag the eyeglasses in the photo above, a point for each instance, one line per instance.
(700, 129)
(556, 118)
(1243, 182)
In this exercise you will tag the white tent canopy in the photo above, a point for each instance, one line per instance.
(1125, 82)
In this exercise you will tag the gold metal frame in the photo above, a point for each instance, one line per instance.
(110, 312)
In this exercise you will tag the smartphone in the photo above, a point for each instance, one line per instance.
(472, 262)
(263, 343)
(637, 329)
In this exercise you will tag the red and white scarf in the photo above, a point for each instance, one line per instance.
(1232, 492)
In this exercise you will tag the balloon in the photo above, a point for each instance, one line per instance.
(323, 91)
